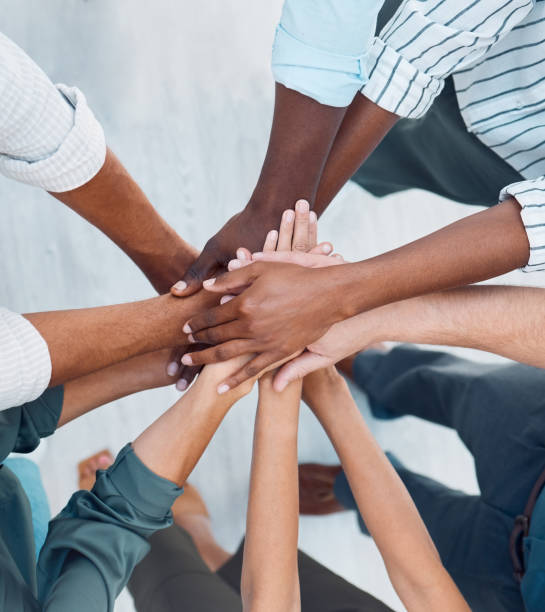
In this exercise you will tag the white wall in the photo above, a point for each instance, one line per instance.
(185, 95)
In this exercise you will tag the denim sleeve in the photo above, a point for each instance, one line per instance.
(321, 47)
(96, 541)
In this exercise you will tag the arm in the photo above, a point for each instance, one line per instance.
(86, 393)
(270, 579)
(115, 204)
(506, 321)
(319, 63)
(82, 341)
(50, 138)
(96, 541)
(410, 557)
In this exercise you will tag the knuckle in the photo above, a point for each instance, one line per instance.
(251, 370)
(209, 318)
(222, 354)
(300, 246)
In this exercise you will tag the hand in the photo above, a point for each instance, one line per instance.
(248, 228)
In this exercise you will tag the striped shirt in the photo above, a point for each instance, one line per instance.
(49, 138)
(494, 49)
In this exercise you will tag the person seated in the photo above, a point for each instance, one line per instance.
(493, 544)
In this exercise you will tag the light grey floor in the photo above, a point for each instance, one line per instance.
(185, 95)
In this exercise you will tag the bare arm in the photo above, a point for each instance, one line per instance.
(173, 444)
(409, 554)
(270, 579)
(504, 320)
(115, 204)
(82, 341)
(125, 378)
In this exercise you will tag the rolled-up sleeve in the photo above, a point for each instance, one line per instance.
(25, 363)
(427, 41)
(531, 197)
(95, 542)
(49, 136)
(321, 47)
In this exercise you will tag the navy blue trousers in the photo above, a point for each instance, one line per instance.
(498, 410)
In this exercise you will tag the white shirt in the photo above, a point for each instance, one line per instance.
(49, 138)
(495, 50)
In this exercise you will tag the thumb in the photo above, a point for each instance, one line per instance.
(205, 266)
(298, 368)
(232, 281)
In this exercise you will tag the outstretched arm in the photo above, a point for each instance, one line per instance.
(498, 319)
(409, 554)
(114, 203)
(129, 501)
(270, 579)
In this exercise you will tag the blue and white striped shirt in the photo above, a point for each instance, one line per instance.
(495, 50)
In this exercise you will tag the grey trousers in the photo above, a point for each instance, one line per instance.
(174, 578)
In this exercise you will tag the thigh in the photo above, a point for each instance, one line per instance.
(324, 591)
(498, 410)
(437, 153)
(173, 577)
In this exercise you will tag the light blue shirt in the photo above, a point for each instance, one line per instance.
(321, 47)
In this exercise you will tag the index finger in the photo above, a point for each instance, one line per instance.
(300, 240)
(212, 317)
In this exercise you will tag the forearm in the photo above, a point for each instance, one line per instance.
(269, 574)
(98, 388)
(389, 513)
(504, 320)
(173, 444)
(478, 247)
(301, 137)
(115, 204)
(364, 126)
(83, 341)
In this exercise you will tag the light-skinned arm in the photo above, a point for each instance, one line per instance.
(270, 578)
(498, 319)
(410, 557)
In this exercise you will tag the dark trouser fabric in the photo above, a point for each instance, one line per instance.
(174, 578)
(435, 153)
(498, 411)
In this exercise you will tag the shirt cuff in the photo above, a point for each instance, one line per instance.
(398, 86)
(25, 362)
(149, 493)
(77, 159)
(328, 78)
(531, 197)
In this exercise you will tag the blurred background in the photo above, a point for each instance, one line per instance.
(184, 92)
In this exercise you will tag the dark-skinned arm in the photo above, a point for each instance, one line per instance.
(85, 340)
(114, 203)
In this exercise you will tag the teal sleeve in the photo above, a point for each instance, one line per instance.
(22, 427)
(96, 541)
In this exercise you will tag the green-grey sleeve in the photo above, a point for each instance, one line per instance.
(95, 542)
(22, 427)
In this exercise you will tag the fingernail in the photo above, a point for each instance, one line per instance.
(172, 368)
(234, 264)
(257, 255)
(302, 206)
(289, 215)
(180, 286)
(186, 329)
(209, 282)
(313, 218)
(226, 298)
(186, 360)
(191, 338)
(241, 254)
(223, 389)
(181, 385)
(327, 248)
(104, 461)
